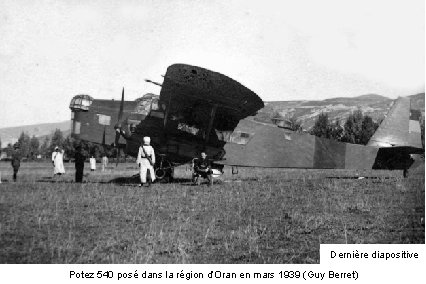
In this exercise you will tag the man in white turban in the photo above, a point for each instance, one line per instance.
(146, 161)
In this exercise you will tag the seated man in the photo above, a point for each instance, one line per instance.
(202, 168)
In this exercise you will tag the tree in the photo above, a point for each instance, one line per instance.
(34, 147)
(24, 144)
(57, 140)
(353, 128)
(336, 131)
(44, 148)
(9, 149)
(68, 146)
(359, 128)
(294, 123)
(322, 126)
(276, 115)
(368, 129)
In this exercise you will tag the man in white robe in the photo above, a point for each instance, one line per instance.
(58, 161)
(92, 162)
(104, 162)
(146, 161)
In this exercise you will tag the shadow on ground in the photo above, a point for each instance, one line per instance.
(136, 180)
(122, 181)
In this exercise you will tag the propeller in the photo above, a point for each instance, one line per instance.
(103, 137)
(120, 116)
(118, 127)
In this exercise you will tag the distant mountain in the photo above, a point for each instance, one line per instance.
(338, 109)
(11, 134)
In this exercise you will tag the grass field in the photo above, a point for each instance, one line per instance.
(257, 216)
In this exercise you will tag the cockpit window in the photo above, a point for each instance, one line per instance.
(85, 103)
(149, 105)
(154, 105)
(81, 102)
(237, 137)
(143, 107)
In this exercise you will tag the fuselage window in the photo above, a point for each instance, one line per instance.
(236, 137)
(241, 138)
(104, 119)
(76, 127)
(72, 122)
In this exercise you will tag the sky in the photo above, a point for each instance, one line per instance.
(51, 51)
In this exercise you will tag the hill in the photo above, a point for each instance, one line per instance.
(338, 109)
(11, 134)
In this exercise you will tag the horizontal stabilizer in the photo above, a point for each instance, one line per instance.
(399, 129)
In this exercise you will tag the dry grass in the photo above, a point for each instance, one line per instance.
(258, 216)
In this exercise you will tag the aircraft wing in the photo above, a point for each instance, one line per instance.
(192, 91)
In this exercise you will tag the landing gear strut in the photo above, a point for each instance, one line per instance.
(163, 169)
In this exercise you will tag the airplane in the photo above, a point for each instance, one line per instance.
(202, 110)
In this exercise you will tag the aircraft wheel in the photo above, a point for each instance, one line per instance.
(160, 174)
(164, 171)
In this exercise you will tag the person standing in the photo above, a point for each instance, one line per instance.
(58, 161)
(92, 161)
(104, 162)
(79, 159)
(146, 161)
(16, 161)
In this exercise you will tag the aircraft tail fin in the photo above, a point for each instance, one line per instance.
(400, 128)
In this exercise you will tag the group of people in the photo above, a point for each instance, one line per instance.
(58, 162)
(79, 159)
(145, 160)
